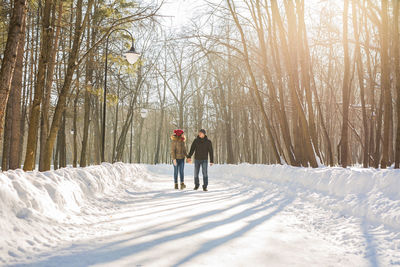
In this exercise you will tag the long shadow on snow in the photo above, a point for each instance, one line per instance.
(159, 195)
(154, 202)
(113, 251)
(199, 217)
(160, 202)
(192, 203)
(190, 219)
(212, 244)
(154, 197)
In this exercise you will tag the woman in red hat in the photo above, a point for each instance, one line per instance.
(178, 154)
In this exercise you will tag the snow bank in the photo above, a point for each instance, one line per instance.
(34, 205)
(56, 193)
(373, 194)
(370, 193)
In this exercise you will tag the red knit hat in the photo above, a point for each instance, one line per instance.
(178, 132)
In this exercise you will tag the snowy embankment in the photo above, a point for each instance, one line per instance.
(369, 193)
(56, 194)
(38, 209)
(36, 206)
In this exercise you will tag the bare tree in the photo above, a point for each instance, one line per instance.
(10, 54)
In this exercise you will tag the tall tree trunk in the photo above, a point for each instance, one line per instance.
(15, 87)
(88, 83)
(228, 116)
(159, 134)
(86, 121)
(12, 132)
(44, 116)
(57, 153)
(131, 142)
(25, 96)
(160, 126)
(62, 137)
(378, 135)
(45, 50)
(373, 161)
(360, 74)
(96, 130)
(396, 52)
(116, 123)
(344, 143)
(7, 135)
(246, 137)
(385, 84)
(74, 122)
(16, 133)
(10, 54)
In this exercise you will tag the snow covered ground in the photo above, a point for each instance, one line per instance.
(253, 215)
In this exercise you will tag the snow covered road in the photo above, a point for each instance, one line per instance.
(242, 221)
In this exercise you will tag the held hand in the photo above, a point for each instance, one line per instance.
(174, 161)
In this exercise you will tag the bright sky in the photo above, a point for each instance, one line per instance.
(180, 12)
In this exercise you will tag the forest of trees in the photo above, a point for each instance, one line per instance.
(293, 82)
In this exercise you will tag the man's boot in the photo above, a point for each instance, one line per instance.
(183, 186)
(205, 188)
(176, 186)
(196, 187)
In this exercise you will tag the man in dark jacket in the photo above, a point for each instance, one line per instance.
(201, 147)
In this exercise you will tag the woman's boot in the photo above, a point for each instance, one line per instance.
(176, 186)
(183, 186)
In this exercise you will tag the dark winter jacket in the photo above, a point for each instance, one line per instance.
(201, 147)
(178, 147)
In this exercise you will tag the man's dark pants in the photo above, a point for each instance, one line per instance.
(203, 164)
